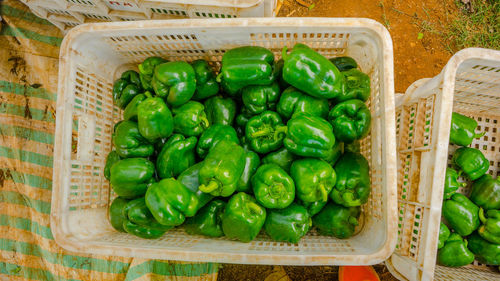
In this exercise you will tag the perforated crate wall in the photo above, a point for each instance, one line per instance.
(95, 55)
(469, 84)
(67, 13)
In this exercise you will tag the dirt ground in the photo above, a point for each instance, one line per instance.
(287, 273)
(418, 53)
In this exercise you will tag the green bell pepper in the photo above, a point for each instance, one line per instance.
(138, 213)
(116, 217)
(126, 88)
(350, 120)
(245, 66)
(265, 132)
(208, 220)
(212, 135)
(293, 101)
(146, 71)
(171, 202)
(312, 207)
(337, 220)
(353, 180)
(344, 63)
(490, 230)
(143, 231)
(252, 162)
(176, 155)
(462, 130)
(454, 252)
(461, 214)
(309, 136)
(206, 84)
(111, 159)
(314, 179)
(486, 192)
(129, 142)
(130, 177)
(190, 178)
(281, 157)
(451, 183)
(130, 112)
(259, 98)
(190, 119)
(356, 86)
(471, 161)
(444, 234)
(243, 217)
(222, 168)
(289, 224)
(486, 252)
(334, 153)
(154, 118)
(175, 81)
(220, 110)
(311, 72)
(273, 187)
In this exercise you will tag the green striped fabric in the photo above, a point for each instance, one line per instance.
(27, 247)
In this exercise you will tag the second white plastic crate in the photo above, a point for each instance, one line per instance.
(93, 56)
(469, 84)
(66, 14)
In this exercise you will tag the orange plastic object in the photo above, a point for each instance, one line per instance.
(357, 273)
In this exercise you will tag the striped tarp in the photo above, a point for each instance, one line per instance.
(29, 48)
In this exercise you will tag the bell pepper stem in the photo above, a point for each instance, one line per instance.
(352, 81)
(349, 198)
(323, 193)
(219, 78)
(212, 185)
(204, 122)
(261, 133)
(284, 54)
(280, 130)
(276, 190)
(148, 94)
(476, 136)
(353, 221)
(141, 68)
(482, 218)
(462, 184)
(254, 208)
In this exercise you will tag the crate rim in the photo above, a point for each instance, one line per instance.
(215, 3)
(390, 197)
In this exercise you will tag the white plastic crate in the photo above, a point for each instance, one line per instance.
(93, 56)
(67, 13)
(469, 84)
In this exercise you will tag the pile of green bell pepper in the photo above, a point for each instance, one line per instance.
(474, 221)
(257, 145)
